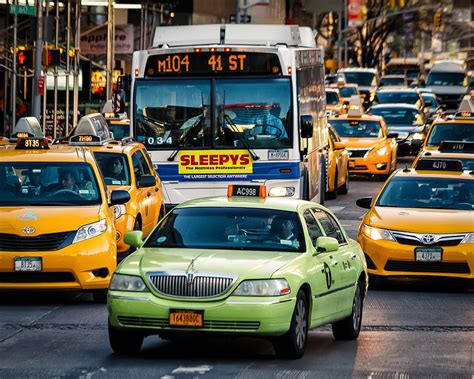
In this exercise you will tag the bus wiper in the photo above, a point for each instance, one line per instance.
(184, 138)
(242, 140)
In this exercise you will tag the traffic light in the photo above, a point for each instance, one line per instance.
(51, 57)
(437, 19)
(24, 58)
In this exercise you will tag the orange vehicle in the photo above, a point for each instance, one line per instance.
(338, 166)
(372, 149)
(334, 103)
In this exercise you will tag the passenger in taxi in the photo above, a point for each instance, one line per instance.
(116, 169)
(34, 177)
(283, 229)
(5, 188)
(67, 181)
(84, 184)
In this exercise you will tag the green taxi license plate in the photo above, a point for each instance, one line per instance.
(28, 264)
(428, 254)
(186, 318)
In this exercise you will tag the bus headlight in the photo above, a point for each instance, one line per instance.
(282, 191)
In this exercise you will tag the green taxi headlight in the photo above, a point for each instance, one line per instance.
(269, 287)
(469, 238)
(90, 230)
(129, 283)
(377, 234)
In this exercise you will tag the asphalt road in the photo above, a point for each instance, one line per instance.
(411, 328)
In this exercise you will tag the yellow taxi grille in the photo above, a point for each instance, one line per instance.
(431, 267)
(43, 242)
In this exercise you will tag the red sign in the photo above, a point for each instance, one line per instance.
(354, 12)
(41, 85)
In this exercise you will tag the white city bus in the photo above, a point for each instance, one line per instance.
(240, 104)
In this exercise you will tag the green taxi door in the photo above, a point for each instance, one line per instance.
(345, 256)
(323, 275)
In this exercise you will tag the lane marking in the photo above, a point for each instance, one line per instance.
(201, 370)
(336, 208)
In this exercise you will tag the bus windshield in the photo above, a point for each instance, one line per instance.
(179, 114)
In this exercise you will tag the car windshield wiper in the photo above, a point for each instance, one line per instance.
(185, 137)
(242, 140)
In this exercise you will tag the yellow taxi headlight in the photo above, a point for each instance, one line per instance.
(376, 233)
(469, 238)
(379, 152)
(90, 230)
(130, 283)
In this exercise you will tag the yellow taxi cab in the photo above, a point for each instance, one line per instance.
(453, 151)
(57, 228)
(118, 125)
(421, 222)
(338, 166)
(459, 127)
(334, 104)
(125, 165)
(346, 90)
(372, 149)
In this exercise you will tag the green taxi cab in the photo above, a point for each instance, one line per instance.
(242, 264)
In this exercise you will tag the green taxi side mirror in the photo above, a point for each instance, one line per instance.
(326, 244)
(134, 238)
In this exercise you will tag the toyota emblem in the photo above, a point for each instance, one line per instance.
(428, 238)
(28, 230)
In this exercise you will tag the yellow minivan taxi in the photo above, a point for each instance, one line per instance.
(421, 223)
(57, 228)
(125, 165)
(338, 166)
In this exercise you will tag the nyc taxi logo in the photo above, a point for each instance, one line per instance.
(30, 216)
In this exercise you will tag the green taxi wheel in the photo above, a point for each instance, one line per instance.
(349, 328)
(123, 342)
(293, 343)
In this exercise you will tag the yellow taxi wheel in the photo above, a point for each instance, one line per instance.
(333, 194)
(344, 189)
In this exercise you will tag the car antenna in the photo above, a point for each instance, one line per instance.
(406, 169)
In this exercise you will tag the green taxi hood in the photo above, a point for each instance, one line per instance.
(245, 264)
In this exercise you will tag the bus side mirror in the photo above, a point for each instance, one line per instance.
(306, 126)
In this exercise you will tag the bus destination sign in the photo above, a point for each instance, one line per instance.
(212, 63)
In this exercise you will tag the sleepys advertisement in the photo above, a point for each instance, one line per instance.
(191, 162)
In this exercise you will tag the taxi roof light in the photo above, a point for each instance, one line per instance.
(27, 127)
(456, 147)
(466, 108)
(92, 129)
(244, 190)
(355, 107)
(430, 164)
(32, 143)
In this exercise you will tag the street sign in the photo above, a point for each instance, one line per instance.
(244, 18)
(18, 9)
(40, 85)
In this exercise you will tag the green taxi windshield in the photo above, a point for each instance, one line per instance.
(229, 228)
(48, 183)
(437, 193)
(451, 132)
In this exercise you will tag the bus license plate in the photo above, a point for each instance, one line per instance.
(186, 318)
(429, 254)
(28, 264)
(275, 155)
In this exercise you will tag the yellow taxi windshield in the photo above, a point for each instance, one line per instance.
(48, 183)
(451, 132)
(425, 192)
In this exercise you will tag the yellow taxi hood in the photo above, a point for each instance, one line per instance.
(421, 220)
(352, 143)
(46, 219)
(248, 264)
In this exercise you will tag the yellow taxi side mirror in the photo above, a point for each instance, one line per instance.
(339, 146)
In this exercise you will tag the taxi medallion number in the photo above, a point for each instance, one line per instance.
(28, 264)
(428, 254)
(186, 318)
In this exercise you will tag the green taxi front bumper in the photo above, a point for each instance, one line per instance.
(234, 315)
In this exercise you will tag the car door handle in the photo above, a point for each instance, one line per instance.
(156, 189)
(354, 256)
(148, 194)
(334, 263)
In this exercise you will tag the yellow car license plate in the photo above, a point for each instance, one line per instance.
(186, 318)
